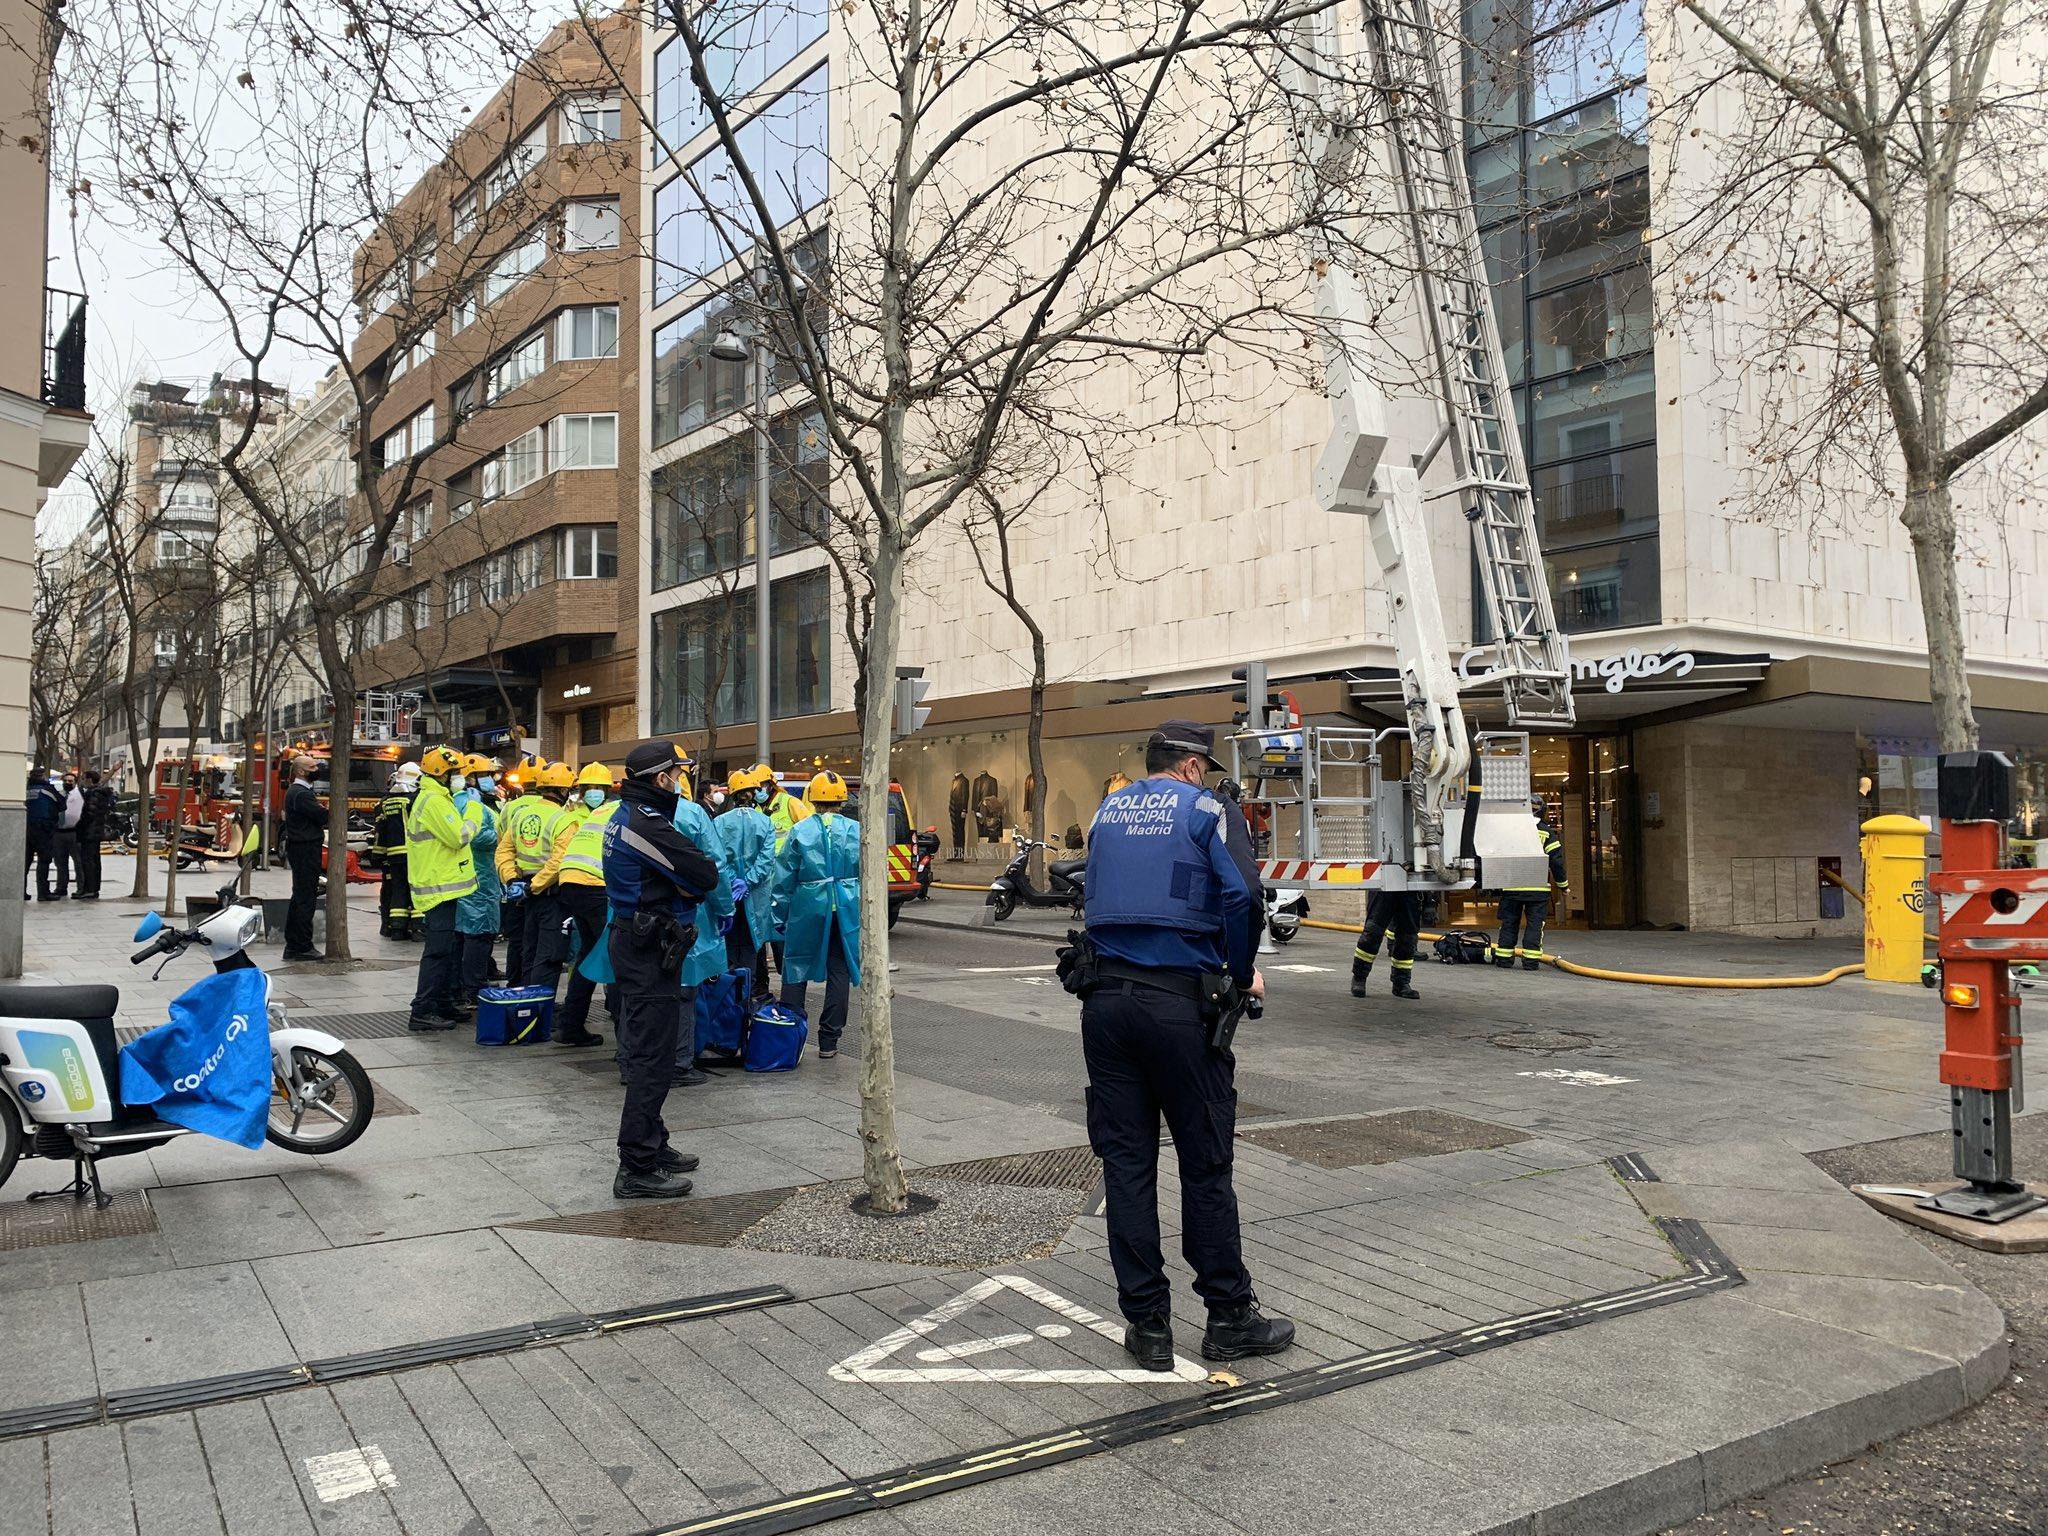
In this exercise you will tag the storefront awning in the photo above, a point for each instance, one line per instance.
(1605, 687)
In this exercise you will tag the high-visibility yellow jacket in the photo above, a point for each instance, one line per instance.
(556, 833)
(522, 848)
(437, 848)
(785, 810)
(582, 857)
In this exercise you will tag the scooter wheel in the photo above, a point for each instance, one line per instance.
(10, 1136)
(1002, 904)
(339, 1101)
(1282, 935)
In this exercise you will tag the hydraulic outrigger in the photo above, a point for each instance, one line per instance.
(1349, 826)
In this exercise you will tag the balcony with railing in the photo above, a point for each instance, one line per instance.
(66, 426)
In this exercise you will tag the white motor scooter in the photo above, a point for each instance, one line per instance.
(60, 1069)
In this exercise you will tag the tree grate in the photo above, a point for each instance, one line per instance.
(52, 1223)
(1359, 1141)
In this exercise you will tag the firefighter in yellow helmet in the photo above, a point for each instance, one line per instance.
(518, 858)
(534, 845)
(443, 871)
(476, 915)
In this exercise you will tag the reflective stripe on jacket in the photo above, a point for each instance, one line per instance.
(785, 810)
(557, 831)
(522, 844)
(582, 860)
(439, 863)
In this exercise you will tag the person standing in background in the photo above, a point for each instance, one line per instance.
(45, 803)
(305, 844)
(92, 831)
(749, 838)
(476, 915)
(817, 902)
(388, 846)
(441, 871)
(66, 849)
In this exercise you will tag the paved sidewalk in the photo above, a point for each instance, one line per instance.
(479, 1200)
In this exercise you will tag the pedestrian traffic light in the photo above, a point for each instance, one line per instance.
(1253, 694)
(911, 686)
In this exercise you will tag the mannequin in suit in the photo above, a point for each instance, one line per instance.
(956, 811)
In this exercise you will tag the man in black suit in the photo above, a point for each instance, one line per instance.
(305, 840)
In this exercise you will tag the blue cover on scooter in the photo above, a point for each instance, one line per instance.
(209, 1068)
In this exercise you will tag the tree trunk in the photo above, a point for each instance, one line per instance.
(341, 688)
(1929, 517)
(178, 810)
(1034, 739)
(882, 1161)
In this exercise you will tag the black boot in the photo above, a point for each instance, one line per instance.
(1504, 958)
(1404, 984)
(628, 1185)
(1235, 1332)
(669, 1160)
(1531, 965)
(1150, 1343)
(1361, 973)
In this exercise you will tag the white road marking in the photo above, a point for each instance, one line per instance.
(1034, 981)
(867, 1364)
(1579, 1078)
(344, 1474)
(1299, 968)
(1002, 970)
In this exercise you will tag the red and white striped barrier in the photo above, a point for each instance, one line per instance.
(1316, 871)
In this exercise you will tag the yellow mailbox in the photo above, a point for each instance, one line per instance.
(1894, 897)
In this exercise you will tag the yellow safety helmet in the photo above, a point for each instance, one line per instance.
(555, 776)
(740, 780)
(439, 762)
(826, 788)
(477, 763)
(594, 773)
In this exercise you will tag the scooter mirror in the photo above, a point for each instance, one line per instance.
(151, 925)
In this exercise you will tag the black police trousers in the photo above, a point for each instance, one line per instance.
(512, 923)
(1521, 928)
(1148, 1055)
(304, 858)
(547, 944)
(650, 1024)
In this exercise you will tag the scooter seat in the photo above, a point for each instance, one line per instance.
(1066, 869)
(87, 1001)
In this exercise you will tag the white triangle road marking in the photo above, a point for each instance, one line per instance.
(949, 1361)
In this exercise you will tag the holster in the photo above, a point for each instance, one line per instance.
(1079, 966)
(674, 938)
(1222, 1006)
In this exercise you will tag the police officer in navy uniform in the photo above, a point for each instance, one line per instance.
(653, 880)
(1167, 904)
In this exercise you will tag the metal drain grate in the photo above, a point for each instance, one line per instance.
(1544, 1042)
(1359, 1141)
(50, 1223)
(389, 1103)
(349, 1026)
(1063, 1168)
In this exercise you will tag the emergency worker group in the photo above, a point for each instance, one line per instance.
(625, 881)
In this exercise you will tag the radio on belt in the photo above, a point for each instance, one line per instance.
(1991, 917)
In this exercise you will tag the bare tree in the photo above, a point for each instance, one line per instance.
(69, 663)
(1864, 225)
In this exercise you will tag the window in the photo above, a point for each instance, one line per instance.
(691, 388)
(405, 359)
(461, 582)
(467, 207)
(463, 314)
(462, 400)
(589, 553)
(422, 264)
(524, 461)
(520, 261)
(422, 520)
(461, 495)
(529, 565)
(591, 226)
(379, 296)
(175, 548)
(423, 607)
(520, 159)
(745, 44)
(584, 442)
(704, 654)
(590, 120)
(702, 219)
(394, 446)
(703, 506)
(589, 726)
(190, 498)
(528, 359)
(423, 428)
(588, 330)
(166, 647)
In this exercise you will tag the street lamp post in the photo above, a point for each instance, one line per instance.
(743, 345)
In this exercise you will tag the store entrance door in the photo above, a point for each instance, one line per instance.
(1587, 783)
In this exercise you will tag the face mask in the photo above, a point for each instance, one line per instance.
(487, 783)
(458, 782)
(593, 797)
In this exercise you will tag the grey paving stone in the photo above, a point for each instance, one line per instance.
(579, 1488)
(638, 1390)
(762, 1385)
(376, 1204)
(237, 1219)
(566, 1177)
(427, 1497)
(1953, 1322)
(44, 1354)
(1872, 1254)
(181, 1324)
(167, 1477)
(24, 1486)
(66, 1264)
(309, 1425)
(390, 1139)
(1743, 1165)
(634, 1463)
(254, 1483)
(343, 1301)
(823, 1151)
(88, 1474)
(508, 1497)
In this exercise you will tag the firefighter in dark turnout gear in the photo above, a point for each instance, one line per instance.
(653, 878)
(395, 915)
(1523, 907)
(1400, 911)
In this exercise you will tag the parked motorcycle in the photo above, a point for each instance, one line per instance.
(1285, 909)
(921, 863)
(60, 1066)
(1064, 881)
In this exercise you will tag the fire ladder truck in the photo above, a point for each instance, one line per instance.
(1322, 786)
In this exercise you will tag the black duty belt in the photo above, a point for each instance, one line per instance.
(1177, 983)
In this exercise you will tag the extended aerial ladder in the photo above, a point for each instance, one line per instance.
(1364, 80)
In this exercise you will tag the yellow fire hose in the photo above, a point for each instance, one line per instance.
(1647, 979)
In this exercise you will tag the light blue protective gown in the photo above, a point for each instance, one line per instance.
(817, 896)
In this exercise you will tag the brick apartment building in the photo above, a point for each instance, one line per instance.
(500, 334)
